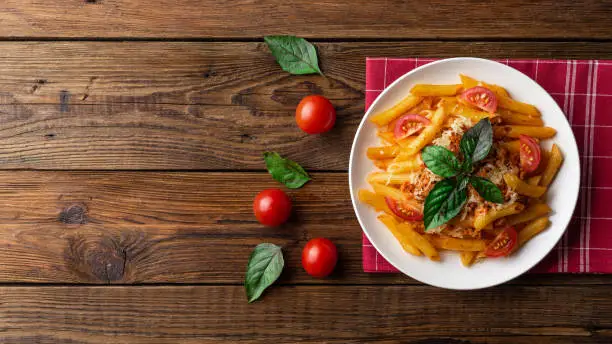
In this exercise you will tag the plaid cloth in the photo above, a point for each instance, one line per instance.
(584, 92)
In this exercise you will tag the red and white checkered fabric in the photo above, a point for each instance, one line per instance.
(583, 89)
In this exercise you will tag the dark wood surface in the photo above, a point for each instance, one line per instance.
(383, 314)
(128, 168)
(315, 18)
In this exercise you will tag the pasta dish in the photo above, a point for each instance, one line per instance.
(461, 168)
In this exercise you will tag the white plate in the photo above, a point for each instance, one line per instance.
(562, 196)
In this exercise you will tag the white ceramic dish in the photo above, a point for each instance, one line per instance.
(562, 195)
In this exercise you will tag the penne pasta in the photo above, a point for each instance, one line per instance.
(400, 108)
(552, 167)
(384, 152)
(514, 118)
(535, 180)
(447, 243)
(469, 82)
(413, 164)
(418, 240)
(428, 134)
(485, 218)
(401, 236)
(512, 146)
(471, 113)
(522, 188)
(468, 257)
(375, 201)
(532, 229)
(383, 164)
(516, 106)
(424, 90)
(387, 137)
(515, 131)
(388, 191)
(532, 212)
(390, 178)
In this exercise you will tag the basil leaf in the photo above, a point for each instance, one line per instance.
(443, 203)
(462, 181)
(265, 266)
(285, 171)
(487, 190)
(294, 54)
(477, 141)
(440, 161)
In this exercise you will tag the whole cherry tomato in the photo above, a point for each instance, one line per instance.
(272, 207)
(319, 257)
(315, 114)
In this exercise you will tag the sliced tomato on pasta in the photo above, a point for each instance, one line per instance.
(404, 210)
(503, 244)
(530, 153)
(409, 125)
(481, 98)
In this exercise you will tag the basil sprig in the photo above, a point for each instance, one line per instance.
(294, 54)
(285, 171)
(265, 266)
(449, 195)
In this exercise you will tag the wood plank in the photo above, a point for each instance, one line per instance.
(315, 18)
(133, 227)
(206, 106)
(222, 73)
(339, 314)
(164, 137)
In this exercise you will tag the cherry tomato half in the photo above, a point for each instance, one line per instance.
(409, 125)
(503, 244)
(530, 153)
(319, 257)
(315, 114)
(403, 210)
(272, 207)
(481, 98)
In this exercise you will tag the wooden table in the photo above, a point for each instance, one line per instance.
(130, 150)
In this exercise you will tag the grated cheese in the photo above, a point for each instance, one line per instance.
(458, 126)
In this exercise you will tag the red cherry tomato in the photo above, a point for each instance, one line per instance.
(319, 257)
(272, 207)
(503, 244)
(409, 125)
(481, 98)
(315, 114)
(530, 153)
(403, 210)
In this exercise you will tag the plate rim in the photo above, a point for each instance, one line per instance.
(530, 265)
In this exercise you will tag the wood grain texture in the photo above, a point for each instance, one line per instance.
(164, 137)
(319, 18)
(407, 314)
(135, 227)
(205, 106)
(153, 227)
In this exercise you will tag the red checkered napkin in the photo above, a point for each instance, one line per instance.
(583, 89)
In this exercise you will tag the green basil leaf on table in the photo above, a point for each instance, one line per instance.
(441, 161)
(265, 266)
(443, 202)
(294, 54)
(286, 171)
(487, 190)
(477, 141)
